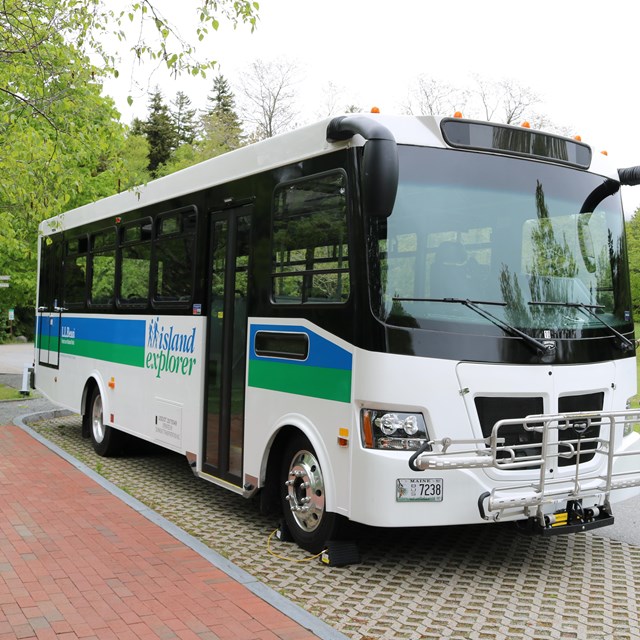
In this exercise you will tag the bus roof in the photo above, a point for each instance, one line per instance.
(286, 148)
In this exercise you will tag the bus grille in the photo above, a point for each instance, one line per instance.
(492, 409)
(569, 404)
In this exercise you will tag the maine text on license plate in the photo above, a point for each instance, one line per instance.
(419, 489)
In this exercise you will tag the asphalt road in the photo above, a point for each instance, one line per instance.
(13, 357)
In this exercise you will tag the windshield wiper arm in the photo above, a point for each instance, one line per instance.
(626, 344)
(540, 347)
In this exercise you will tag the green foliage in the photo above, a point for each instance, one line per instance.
(26, 26)
(61, 142)
(160, 131)
(184, 156)
(61, 146)
(220, 129)
(633, 251)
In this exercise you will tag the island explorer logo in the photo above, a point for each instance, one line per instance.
(168, 350)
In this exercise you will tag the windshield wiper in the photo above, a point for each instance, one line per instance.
(541, 348)
(588, 309)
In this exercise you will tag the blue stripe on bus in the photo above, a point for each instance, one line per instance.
(116, 330)
(322, 352)
(108, 330)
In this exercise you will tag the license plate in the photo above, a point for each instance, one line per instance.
(419, 489)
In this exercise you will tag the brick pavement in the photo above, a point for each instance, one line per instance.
(76, 562)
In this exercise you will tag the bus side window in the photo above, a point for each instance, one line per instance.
(310, 241)
(49, 289)
(135, 264)
(75, 272)
(174, 258)
(103, 268)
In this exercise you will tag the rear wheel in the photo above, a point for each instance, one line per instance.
(303, 497)
(106, 440)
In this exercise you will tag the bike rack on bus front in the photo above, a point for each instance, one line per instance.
(590, 479)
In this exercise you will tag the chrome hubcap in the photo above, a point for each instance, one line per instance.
(97, 423)
(305, 491)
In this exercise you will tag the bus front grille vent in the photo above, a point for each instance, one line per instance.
(568, 404)
(527, 442)
(492, 409)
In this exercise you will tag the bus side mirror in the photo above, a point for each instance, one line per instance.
(629, 176)
(379, 177)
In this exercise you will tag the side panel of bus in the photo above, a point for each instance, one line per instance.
(149, 370)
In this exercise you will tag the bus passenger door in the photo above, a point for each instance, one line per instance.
(227, 338)
(49, 320)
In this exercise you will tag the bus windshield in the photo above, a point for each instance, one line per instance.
(526, 241)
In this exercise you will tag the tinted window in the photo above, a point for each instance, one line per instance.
(174, 257)
(103, 268)
(135, 264)
(310, 250)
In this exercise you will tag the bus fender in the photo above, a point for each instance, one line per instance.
(95, 378)
(282, 431)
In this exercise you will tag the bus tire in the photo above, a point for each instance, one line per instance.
(302, 492)
(106, 440)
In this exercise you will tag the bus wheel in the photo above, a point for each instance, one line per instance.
(303, 497)
(105, 439)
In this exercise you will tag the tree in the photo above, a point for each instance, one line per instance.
(28, 26)
(49, 165)
(160, 131)
(184, 119)
(222, 129)
(221, 100)
(435, 98)
(633, 251)
(505, 100)
(61, 142)
(269, 97)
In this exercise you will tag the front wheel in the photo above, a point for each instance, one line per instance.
(106, 440)
(303, 497)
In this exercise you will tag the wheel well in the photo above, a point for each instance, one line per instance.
(269, 496)
(90, 385)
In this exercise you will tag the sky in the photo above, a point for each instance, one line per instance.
(579, 56)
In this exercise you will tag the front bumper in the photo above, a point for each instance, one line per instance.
(580, 494)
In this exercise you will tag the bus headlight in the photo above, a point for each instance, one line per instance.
(391, 430)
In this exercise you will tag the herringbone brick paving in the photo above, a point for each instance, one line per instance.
(76, 562)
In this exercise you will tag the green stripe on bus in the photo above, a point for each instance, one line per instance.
(109, 352)
(48, 343)
(316, 382)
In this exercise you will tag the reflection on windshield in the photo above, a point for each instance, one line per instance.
(477, 227)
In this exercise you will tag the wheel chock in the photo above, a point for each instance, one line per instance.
(340, 553)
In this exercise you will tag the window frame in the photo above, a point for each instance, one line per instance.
(68, 254)
(103, 250)
(274, 276)
(157, 238)
(123, 244)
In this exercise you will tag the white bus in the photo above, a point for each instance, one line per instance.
(398, 321)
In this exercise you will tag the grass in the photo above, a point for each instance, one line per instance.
(9, 393)
(635, 401)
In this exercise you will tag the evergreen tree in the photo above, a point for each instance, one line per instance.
(160, 131)
(184, 119)
(221, 100)
(221, 124)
